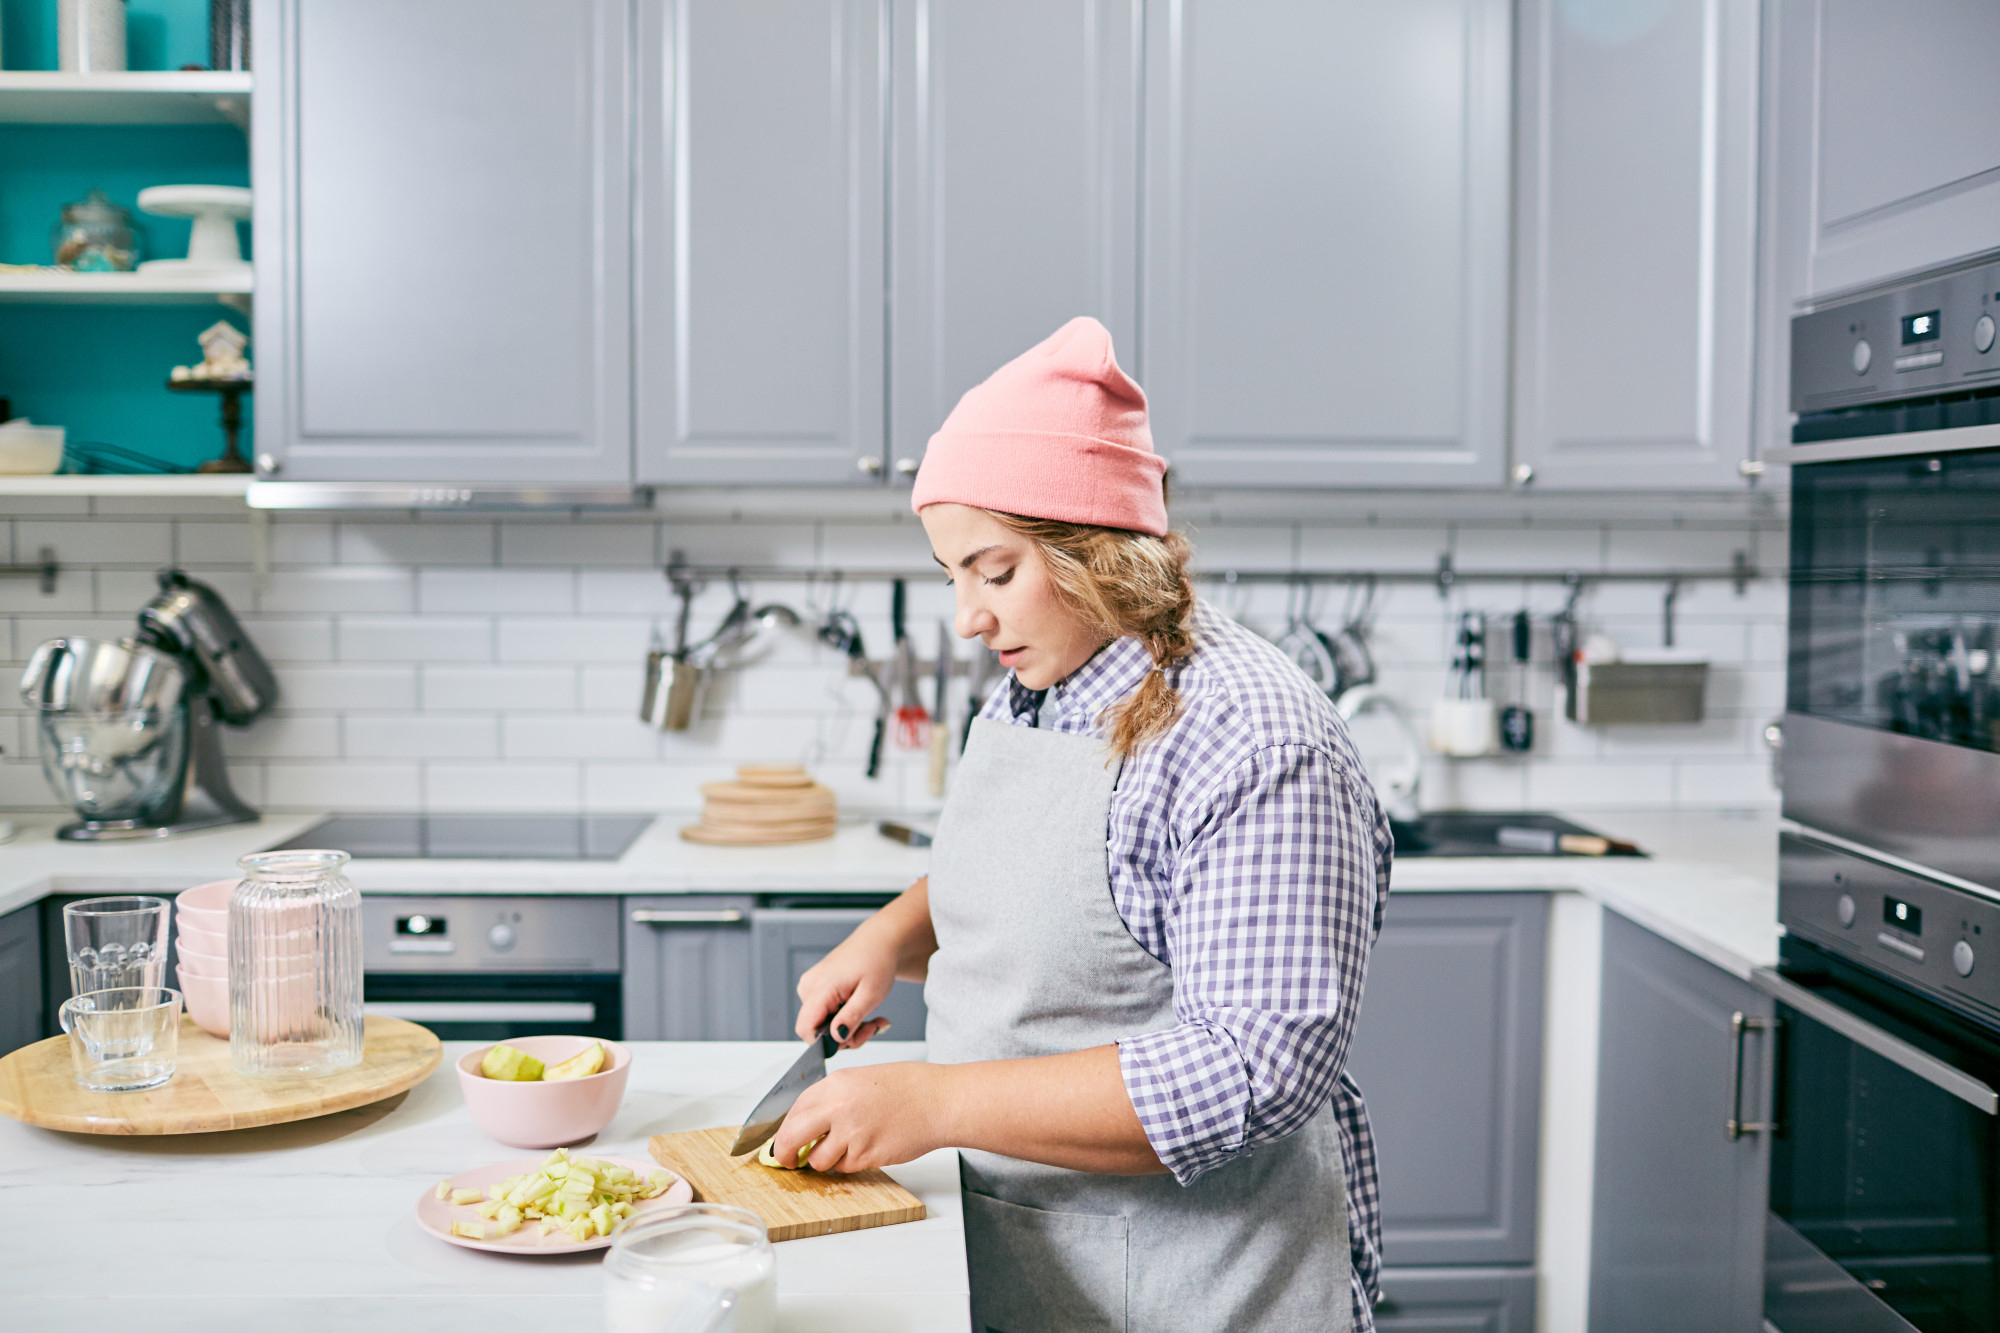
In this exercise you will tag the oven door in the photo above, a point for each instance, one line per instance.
(475, 1006)
(1883, 1187)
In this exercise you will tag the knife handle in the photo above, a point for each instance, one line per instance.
(940, 756)
(875, 747)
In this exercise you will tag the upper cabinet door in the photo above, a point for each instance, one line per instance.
(1636, 245)
(1016, 167)
(760, 241)
(1326, 216)
(442, 237)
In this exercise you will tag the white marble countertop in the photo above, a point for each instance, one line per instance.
(1709, 885)
(311, 1225)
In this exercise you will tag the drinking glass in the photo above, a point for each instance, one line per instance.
(115, 942)
(700, 1268)
(294, 966)
(125, 1039)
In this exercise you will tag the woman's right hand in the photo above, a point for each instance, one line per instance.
(843, 988)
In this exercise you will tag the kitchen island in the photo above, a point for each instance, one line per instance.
(311, 1226)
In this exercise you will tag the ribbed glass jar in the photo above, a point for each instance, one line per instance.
(294, 966)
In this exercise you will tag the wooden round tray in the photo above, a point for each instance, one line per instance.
(38, 1087)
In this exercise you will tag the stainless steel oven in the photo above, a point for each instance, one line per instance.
(1885, 1177)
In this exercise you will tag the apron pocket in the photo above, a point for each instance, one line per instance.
(1035, 1271)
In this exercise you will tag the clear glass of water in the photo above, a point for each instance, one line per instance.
(701, 1268)
(125, 1039)
(114, 943)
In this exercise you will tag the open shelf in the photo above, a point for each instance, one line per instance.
(224, 486)
(45, 287)
(47, 97)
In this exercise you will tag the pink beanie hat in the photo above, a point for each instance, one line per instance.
(1059, 432)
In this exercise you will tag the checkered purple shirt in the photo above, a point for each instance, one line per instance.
(1248, 853)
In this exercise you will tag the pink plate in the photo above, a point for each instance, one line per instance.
(436, 1216)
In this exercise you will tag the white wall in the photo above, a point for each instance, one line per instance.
(483, 663)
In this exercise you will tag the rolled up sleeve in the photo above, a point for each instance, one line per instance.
(1274, 909)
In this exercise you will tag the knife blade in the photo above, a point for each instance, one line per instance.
(807, 1070)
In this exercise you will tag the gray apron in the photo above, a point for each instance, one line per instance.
(1033, 959)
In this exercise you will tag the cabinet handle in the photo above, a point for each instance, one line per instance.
(872, 466)
(687, 916)
(906, 467)
(1738, 1025)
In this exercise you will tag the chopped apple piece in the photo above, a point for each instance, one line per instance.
(466, 1196)
(581, 1065)
(508, 1065)
(469, 1230)
(444, 1189)
(768, 1155)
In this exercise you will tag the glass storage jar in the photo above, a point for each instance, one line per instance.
(95, 236)
(294, 966)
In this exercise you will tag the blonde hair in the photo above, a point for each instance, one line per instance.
(1126, 584)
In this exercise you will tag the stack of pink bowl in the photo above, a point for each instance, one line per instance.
(201, 939)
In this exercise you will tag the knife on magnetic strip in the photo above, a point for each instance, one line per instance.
(807, 1070)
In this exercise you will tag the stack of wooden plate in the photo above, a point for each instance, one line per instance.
(768, 803)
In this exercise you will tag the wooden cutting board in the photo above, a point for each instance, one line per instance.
(791, 1203)
(38, 1087)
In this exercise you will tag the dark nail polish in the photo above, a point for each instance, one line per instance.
(841, 1031)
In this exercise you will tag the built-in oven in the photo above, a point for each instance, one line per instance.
(475, 967)
(1885, 1148)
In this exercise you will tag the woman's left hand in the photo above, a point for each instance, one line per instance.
(873, 1115)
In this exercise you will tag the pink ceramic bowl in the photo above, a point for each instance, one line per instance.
(545, 1115)
(199, 963)
(200, 940)
(207, 1001)
(206, 906)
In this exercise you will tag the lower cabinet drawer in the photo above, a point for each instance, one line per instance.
(1457, 1300)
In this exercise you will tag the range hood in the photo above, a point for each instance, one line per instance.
(438, 495)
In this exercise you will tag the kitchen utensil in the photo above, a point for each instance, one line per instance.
(704, 1267)
(912, 720)
(1464, 728)
(843, 631)
(1305, 646)
(1517, 721)
(791, 1204)
(672, 682)
(903, 833)
(190, 620)
(205, 1095)
(115, 943)
(279, 1028)
(95, 236)
(940, 733)
(435, 1215)
(538, 1113)
(1549, 843)
(28, 450)
(769, 1113)
(1352, 657)
(122, 1039)
(90, 36)
(213, 247)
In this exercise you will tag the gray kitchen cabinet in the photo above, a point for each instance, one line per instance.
(1677, 1229)
(788, 940)
(1015, 168)
(758, 255)
(1635, 245)
(1326, 200)
(688, 968)
(443, 227)
(20, 978)
(1448, 1053)
(1470, 1300)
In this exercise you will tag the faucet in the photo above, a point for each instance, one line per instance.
(1397, 786)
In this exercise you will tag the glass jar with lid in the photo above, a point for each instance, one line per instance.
(95, 236)
(294, 966)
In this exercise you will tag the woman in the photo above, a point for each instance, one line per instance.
(1151, 900)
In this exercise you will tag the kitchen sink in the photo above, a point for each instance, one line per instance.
(1477, 833)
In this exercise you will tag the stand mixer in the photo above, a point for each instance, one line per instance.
(129, 730)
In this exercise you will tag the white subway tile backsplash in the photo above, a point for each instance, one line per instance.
(497, 591)
(583, 543)
(420, 736)
(465, 662)
(412, 544)
(343, 786)
(498, 787)
(501, 689)
(415, 639)
(247, 780)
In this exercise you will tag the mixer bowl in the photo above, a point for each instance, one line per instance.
(113, 725)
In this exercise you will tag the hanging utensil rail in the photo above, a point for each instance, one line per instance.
(44, 567)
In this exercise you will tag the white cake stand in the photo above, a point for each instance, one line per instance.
(212, 248)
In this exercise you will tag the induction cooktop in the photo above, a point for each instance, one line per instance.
(475, 837)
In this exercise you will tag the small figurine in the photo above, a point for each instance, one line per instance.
(222, 345)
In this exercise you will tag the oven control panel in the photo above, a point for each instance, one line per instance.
(478, 933)
(1934, 936)
(1929, 337)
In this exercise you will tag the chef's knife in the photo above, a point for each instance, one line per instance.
(807, 1070)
